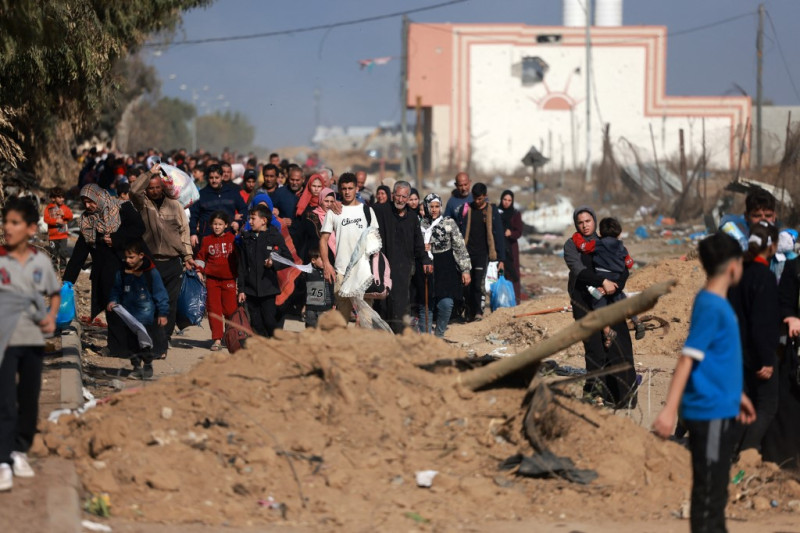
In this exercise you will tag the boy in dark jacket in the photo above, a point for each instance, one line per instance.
(141, 292)
(257, 278)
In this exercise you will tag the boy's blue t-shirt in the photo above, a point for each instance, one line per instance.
(714, 389)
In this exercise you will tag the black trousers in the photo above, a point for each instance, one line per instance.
(396, 305)
(263, 314)
(764, 395)
(475, 290)
(711, 443)
(19, 402)
(171, 271)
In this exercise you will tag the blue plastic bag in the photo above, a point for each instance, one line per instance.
(66, 311)
(503, 293)
(192, 301)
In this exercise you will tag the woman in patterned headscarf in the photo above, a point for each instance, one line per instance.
(105, 228)
(451, 264)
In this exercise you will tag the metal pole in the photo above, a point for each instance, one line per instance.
(588, 91)
(705, 176)
(404, 98)
(759, 85)
(418, 140)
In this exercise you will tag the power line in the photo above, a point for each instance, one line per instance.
(783, 57)
(685, 31)
(307, 28)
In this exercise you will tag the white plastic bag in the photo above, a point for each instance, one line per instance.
(179, 185)
(491, 276)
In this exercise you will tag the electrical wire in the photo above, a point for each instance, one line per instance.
(685, 31)
(783, 57)
(304, 29)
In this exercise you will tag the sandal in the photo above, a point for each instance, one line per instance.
(640, 330)
(609, 338)
(216, 346)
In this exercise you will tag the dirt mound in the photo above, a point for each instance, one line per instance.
(327, 429)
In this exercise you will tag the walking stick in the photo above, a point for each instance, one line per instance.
(427, 327)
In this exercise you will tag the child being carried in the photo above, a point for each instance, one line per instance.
(611, 260)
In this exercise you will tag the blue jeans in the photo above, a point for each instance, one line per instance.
(444, 308)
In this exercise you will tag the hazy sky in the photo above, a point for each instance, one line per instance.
(272, 80)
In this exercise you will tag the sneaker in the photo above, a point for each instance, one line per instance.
(147, 372)
(21, 466)
(640, 330)
(6, 477)
(137, 373)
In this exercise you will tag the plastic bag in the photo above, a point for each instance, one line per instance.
(503, 293)
(178, 185)
(66, 311)
(491, 276)
(192, 301)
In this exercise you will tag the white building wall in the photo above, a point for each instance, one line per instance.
(507, 118)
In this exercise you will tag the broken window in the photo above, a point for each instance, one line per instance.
(533, 70)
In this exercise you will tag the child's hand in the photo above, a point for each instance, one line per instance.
(664, 423)
(47, 325)
(162, 321)
(268, 263)
(200, 275)
(747, 413)
(242, 297)
(111, 305)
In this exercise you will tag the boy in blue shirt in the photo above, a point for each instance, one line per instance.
(707, 385)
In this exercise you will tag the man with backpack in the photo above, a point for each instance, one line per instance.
(403, 245)
(347, 227)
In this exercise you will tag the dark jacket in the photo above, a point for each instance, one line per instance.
(106, 260)
(789, 290)
(226, 199)
(143, 295)
(401, 240)
(755, 300)
(285, 201)
(254, 278)
(498, 231)
(609, 258)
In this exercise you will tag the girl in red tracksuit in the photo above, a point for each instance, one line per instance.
(217, 261)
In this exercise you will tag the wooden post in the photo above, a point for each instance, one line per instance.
(575, 332)
(655, 160)
(418, 139)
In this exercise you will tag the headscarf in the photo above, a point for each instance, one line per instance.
(387, 190)
(264, 198)
(105, 219)
(307, 198)
(322, 213)
(432, 197)
(583, 209)
(506, 214)
(435, 230)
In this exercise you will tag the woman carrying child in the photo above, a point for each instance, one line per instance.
(755, 301)
(618, 389)
(451, 265)
(217, 261)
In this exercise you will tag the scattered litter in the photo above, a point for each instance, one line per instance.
(547, 464)
(166, 413)
(425, 478)
(493, 338)
(89, 403)
(416, 517)
(94, 526)
(98, 505)
(501, 352)
(270, 503)
(642, 233)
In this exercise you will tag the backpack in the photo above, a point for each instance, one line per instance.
(234, 336)
(381, 271)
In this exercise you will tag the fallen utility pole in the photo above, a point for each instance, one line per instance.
(576, 332)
